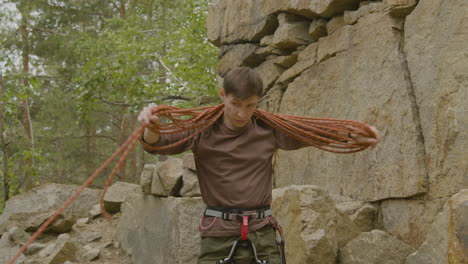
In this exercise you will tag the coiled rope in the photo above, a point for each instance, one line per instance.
(333, 135)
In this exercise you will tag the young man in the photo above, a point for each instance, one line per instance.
(234, 165)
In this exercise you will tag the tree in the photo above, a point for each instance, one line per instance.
(91, 65)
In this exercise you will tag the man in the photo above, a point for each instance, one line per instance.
(234, 165)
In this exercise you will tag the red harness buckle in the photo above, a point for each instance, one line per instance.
(245, 227)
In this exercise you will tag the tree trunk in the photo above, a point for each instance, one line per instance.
(4, 145)
(26, 120)
(123, 9)
(134, 155)
(122, 137)
(89, 148)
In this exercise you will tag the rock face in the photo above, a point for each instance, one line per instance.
(117, 193)
(165, 230)
(28, 211)
(436, 33)
(248, 23)
(168, 179)
(409, 220)
(309, 9)
(400, 65)
(293, 31)
(375, 247)
(319, 237)
(446, 241)
(346, 72)
(190, 186)
(238, 55)
(314, 229)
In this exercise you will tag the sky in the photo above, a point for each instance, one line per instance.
(9, 23)
(9, 20)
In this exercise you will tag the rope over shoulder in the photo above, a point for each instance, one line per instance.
(322, 133)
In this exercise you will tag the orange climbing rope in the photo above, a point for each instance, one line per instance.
(323, 133)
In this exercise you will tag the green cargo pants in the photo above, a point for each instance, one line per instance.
(214, 249)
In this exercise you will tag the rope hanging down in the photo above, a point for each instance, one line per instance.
(322, 133)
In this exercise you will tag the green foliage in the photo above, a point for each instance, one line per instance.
(92, 68)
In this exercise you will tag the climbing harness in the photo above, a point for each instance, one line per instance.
(236, 214)
(244, 216)
(321, 133)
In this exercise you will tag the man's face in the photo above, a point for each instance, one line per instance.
(237, 112)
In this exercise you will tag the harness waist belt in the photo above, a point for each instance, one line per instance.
(229, 215)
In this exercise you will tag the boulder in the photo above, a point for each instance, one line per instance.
(29, 210)
(363, 215)
(165, 230)
(7, 253)
(376, 247)
(95, 211)
(189, 162)
(88, 237)
(409, 220)
(361, 75)
(233, 21)
(146, 178)
(371, 7)
(365, 218)
(238, 56)
(46, 251)
(334, 24)
(63, 250)
(436, 33)
(338, 42)
(271, 100)
(33, 248)
(446, 240)
(18, 236)
(117, 193)
(89, 253)
(269, 71)
(190, 186)
(318, 29)
(350, 17)
(400, 8)
(82, 222)
(313, 227)
(266, 41)
(305, 60)
(61, 224)
(168, 180)
(264, 52)
(286, 61)
(293, 31)
(5, 240)
(309, 8)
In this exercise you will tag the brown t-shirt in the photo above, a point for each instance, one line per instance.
(234, 168)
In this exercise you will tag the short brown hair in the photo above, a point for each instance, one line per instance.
(242, 82)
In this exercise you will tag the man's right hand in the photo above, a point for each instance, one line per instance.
(150, 121)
